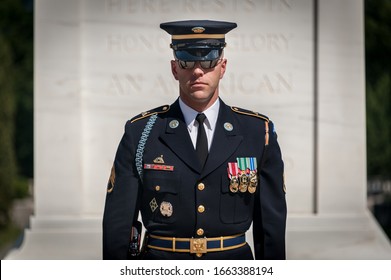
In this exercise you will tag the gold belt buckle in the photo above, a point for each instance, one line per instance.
(198, 245)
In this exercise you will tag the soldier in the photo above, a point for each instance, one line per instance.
(199, 171)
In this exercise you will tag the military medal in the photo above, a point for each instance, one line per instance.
(248, 174)
(166, 209)
(232, 174)
(243, 182)
(253, 175)
(243, 174)
(253, 182)
(234, 184)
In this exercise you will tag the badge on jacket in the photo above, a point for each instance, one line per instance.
(158, 164)
(243, 175)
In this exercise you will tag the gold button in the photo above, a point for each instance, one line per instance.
(199, 255)
(201, 209)
(201, 186)
(157, 188)
(200, 231)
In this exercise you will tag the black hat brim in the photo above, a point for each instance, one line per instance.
(198, 54)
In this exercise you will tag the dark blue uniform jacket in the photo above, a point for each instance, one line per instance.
(248, 135)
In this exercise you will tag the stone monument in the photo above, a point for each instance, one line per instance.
(301, 62)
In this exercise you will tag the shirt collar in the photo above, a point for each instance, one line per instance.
(190, 114)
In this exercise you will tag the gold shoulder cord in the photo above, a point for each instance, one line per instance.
(257, 115)
(266, 133)
(111, 180)
(156, 111)
(149, 113)
(250, 113)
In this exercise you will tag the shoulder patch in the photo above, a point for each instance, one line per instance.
(158, 110)
(249, 113)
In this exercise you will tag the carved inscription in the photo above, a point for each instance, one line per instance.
(191, 6)
(250, 83)
(232, 84)
(268, 42)
(117, 43)
(135, 84)
(129, 43)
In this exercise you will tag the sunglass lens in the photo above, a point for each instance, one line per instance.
(186, 64)
(206, 64)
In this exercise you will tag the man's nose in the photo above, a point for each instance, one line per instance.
(198, 70)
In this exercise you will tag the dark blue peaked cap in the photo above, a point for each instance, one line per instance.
(194, 40)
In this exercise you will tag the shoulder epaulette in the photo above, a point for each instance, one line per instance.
(158, 110)
(249, 113)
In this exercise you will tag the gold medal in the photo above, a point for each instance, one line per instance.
(253, 182)
(243, 179)
(248, 177)
(234, 184)
(252, 189)
(232, 175)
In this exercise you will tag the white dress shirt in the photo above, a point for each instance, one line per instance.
(192, 125)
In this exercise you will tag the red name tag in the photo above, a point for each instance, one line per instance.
(159, 167)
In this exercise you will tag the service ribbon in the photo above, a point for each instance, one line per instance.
(233, 169)
(242, 164)
(253, 163)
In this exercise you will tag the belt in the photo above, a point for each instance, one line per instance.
(196, 245)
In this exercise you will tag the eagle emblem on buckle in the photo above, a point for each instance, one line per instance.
(198, 246)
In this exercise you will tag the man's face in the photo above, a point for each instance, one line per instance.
(199, 87)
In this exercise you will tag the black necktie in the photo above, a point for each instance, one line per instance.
(202, 141)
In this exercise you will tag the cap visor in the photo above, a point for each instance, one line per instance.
(197, 54)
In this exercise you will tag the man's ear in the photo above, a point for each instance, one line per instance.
(223, 67)
(174, 69)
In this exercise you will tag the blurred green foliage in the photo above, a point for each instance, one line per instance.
(8, 235)
(16, 102)
(7, 112)
(378, 87)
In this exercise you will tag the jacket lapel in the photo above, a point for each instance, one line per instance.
(177, 138)
(225, 141)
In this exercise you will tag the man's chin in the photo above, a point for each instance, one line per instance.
(201, 99)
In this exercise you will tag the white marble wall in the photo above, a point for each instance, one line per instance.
(341, 109)
(100, 62)
(111, 62)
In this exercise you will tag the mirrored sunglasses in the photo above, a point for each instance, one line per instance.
(205, 64)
